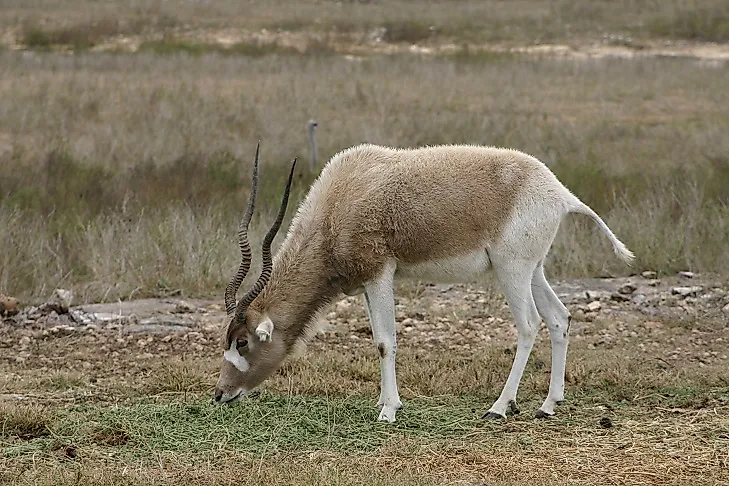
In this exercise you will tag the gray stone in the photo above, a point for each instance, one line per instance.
(639, 299)
(627, 289)
(594, 306)
(617, 297)
(686, 291)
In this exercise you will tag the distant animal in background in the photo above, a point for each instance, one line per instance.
(311, 130)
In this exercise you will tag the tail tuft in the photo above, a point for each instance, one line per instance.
(618, 246)
(623, 253)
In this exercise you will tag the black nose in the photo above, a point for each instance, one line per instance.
(218, 395)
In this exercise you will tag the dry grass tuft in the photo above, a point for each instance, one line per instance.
(180, 377)
(25, 421)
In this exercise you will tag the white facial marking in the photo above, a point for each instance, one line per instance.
(233, 357)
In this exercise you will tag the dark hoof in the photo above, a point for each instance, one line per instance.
(514, 409)
(541, 415)
(492, 416)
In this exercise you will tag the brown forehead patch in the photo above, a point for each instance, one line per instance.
(240, 322)
(233, 327)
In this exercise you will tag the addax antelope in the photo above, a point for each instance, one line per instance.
(443, 213)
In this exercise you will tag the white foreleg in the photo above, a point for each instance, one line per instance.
(515, 282)
(557, 318)
(381, 308)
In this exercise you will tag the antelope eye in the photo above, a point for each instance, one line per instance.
(241, 343)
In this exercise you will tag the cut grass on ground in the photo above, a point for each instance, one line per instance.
(645, 405)
(341, 434)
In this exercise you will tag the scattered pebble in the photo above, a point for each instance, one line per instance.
(8, 306)
(594, 306)
(618, 297)
(627, 289)
(184, 307)
(687, 274)
(649, 274)
(686, 291)
(639, 299)
(652, 324)
(64, 298)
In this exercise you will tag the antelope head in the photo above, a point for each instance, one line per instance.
(252, 349)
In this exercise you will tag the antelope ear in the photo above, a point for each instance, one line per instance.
(264, 330)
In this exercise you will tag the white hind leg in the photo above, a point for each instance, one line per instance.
(515, 280)
(557, 318)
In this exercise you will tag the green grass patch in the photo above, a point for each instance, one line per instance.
(278, 423)
(265, 423)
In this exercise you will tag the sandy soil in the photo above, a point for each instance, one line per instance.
(363, 44)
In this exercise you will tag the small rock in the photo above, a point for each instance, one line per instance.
(619, 297)
(639, 299)
(606, 423)
(686, 274)
(408, 322)
(64, 298)
(652, 324)
(594, 306)
(725, 309)
(649, 274)
(597, 294)
(686, 291)
(343, 306)
(627, 289)
(183, 307)
(654, 283)
(8, 306)
(24, 342)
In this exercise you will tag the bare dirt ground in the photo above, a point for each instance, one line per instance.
(646, 393)
(372, 43)
(674, 320)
